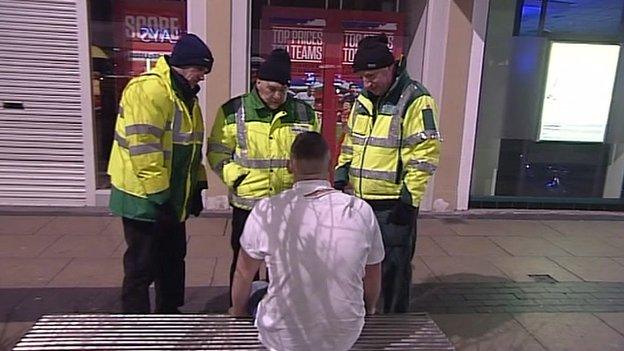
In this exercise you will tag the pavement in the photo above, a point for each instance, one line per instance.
(498, 280)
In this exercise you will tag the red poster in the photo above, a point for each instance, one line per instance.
(148, 30)
(322, 45)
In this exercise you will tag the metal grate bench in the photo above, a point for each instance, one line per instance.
(411, 331)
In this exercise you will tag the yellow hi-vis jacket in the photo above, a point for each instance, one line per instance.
(392, 145)
(156, 154)
(249, 146)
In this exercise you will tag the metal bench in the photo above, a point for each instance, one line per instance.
(411, 331)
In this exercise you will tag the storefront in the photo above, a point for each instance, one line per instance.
(511, 136)
(551, 118)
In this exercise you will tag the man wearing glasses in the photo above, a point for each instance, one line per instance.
(249, 145)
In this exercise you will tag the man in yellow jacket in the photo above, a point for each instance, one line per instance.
(157, 175)
(389, 153)
(249, 145)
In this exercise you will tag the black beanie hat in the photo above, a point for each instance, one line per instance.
(372, 53)
(191, 51)
(276, 68)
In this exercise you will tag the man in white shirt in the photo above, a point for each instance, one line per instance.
(323, 250)
(307, 96)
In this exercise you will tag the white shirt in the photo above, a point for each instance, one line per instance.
(309, 99)
(316, 242)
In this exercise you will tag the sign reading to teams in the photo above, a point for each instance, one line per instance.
(354, 31)
(578, 93)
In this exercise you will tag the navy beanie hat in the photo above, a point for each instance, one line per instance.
(276, 68)
(372, 53)
(191, 51)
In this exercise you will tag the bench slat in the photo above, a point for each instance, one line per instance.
(410, 331)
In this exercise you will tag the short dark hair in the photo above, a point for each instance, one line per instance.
(309, 146)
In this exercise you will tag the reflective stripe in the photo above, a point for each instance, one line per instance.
(420, 137)
(242, 201)
(177, 120)
(423, 166)
(218, 147)
(374, 141)
(260, 163)
(144, 129)
(121, 140)
(218, 168)
(188, 137)
(394, 132)
(370, 174)
(346, 149)
(241, 131)
(136, 150)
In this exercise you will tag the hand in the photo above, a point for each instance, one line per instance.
(197, 203)
(402, 214)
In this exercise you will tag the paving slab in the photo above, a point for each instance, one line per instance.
(583, 228)
(434, 227)
(420, 272)
(208, 246)
(90, 272)
(500, 227)
(76, 225)
(22, 224)
(115, 227)
(592, 268)
(469, 246)
(571, 331)
(199, 271)
(585, 245)
(496, 331)
(24, 272)
(426, 246)
(519, 268)
(206, 226)
(85, 246)
(464, 269)
(614, 320)
(525, 246)
(25, 245)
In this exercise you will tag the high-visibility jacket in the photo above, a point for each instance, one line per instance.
(249, 146)
(157, 151)
(392, 145)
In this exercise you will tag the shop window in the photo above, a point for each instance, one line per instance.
(321, 38)
(550, 126)
(126, 37)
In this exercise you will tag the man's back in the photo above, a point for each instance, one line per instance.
(316, 243)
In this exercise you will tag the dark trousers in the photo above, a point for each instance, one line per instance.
(239, 218)
(396, 268)
(155, 254)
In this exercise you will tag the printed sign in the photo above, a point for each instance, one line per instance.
(150, 29)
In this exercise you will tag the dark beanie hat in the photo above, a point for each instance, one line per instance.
(372, 53)
(276, 68)
(191, 51)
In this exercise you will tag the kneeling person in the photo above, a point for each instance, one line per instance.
(323, 250)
